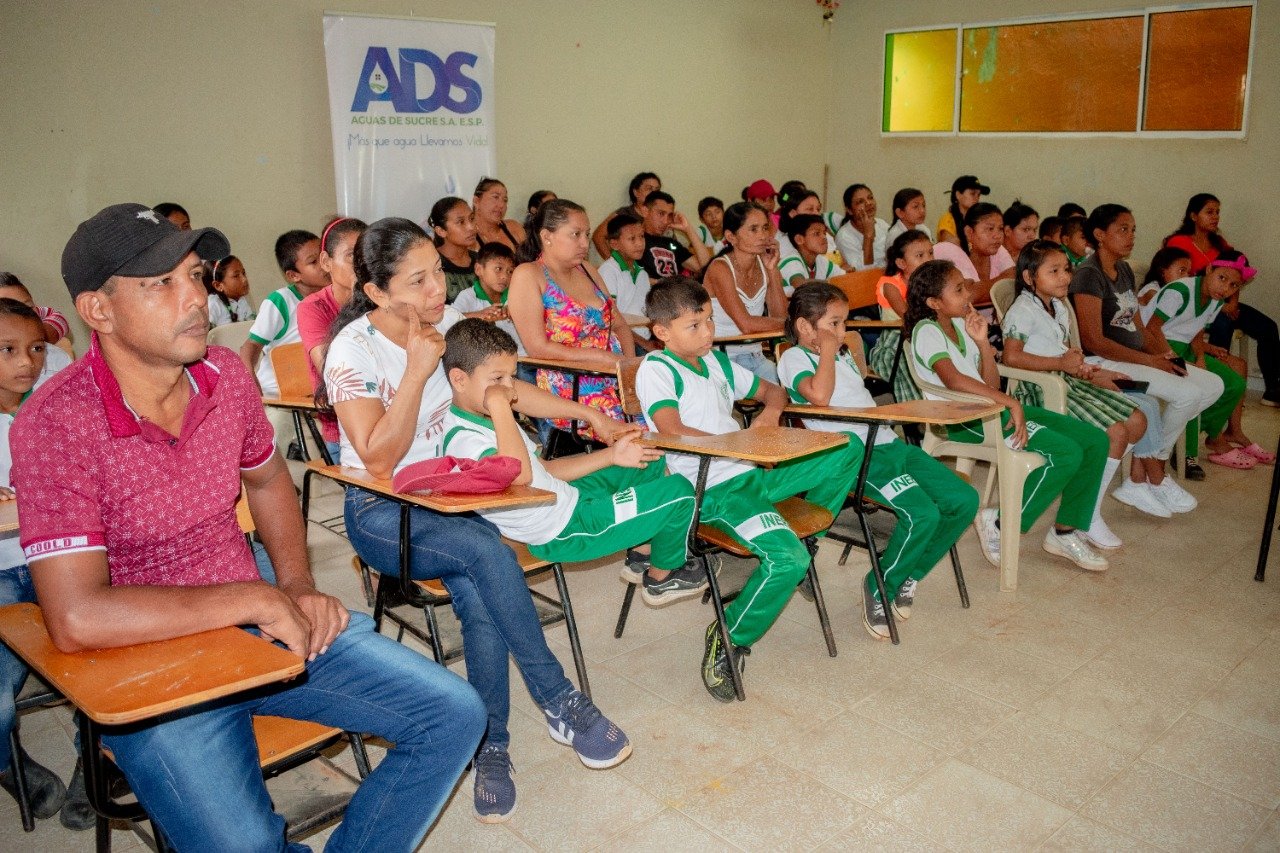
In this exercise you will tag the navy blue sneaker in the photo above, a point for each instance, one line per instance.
(495, 789)
(577, 722)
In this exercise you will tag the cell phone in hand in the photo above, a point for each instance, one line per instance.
(1135, 385)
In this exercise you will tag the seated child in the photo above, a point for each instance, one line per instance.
(908, 251)
(21, 333)
(1167, 266)
(808, 235)
(605, 501)
(453, 230)
(624, 278)
(1074, 242)
(689, 389)
(56, 328)
(1037, 337)
(486, 299)
(298, 254)
(711, 215)
(950, 347)
(1182, 313)
(229, 292)
(1051, 229)
(932, 504)
(909, 213)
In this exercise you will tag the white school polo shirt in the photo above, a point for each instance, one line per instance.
(1178, 306)
(850, 391)
(1041, 333)
(929, 346)
(276, 323)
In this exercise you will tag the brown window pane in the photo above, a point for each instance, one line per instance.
(1197, 67)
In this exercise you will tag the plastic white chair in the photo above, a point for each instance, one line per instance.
(1011, 467)
(230, 335)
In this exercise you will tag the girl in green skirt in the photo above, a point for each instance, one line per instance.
(1037, 337)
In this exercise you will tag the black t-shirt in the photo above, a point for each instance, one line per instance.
(457, 278)
(663, 256)
(1119, 300)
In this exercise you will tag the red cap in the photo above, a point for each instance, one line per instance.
(450, 475)
(760, 189)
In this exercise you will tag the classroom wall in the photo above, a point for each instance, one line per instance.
(223, 106)
(1154, 177)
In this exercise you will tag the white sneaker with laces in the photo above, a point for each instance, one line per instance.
(1101, 536)
(1074, 548)
(1141, 497)
(988, 535)
(1173, 496)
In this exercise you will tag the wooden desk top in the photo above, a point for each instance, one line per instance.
(131, 683)
(767, 445)
(938, 412)
(872, 324)
(749, 338)
(508, 498)
(306, 403)
(636, 321)
(8, 516)
(567, 366)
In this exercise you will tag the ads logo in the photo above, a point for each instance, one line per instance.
(420, 82)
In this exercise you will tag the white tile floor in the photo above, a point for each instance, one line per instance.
(1138, 709)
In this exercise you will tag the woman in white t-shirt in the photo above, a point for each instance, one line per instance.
(384, 378)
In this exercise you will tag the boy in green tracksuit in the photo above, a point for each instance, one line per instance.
(605, 501)
(687, 389)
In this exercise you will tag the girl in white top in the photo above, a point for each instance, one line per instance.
(909, 213)
(229, 301)
(745, 285)
(797, 202)
(862, 236)
(808, 234)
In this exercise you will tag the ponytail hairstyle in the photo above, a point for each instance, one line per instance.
(847, 198)
(1030, 259)
(790, 190)
(793, 199)
(487, 184)
(1018, 212)
(901, 199)
(735, 216)
(809, 301)
(925, 283)
(550, 216)
(337, 228)
(1194, 205)
(634, 187)
(217, 271)
(972, 217)
(1101, 218)
(897, 250)
(378, 254)
(1161, 261)
(439, 216)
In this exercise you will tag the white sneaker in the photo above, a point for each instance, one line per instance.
(1176, 498)
(988, 535)
(1101, 536)
(1075, 549)
(1140, 496)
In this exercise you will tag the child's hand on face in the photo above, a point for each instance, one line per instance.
(499, 397)
(829, 341)
(628, 452)
(976, 326)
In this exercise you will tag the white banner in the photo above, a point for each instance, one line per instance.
(411, 104)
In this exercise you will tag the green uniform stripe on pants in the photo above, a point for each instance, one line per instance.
(1213, 420)
(1075, 454)
(932, 504)
(621, 507)
(743, 508)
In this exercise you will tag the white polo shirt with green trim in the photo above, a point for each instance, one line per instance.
(1178, 305)
(703, 393)
(471, 436)
(476, 298)
(276, 323)
(850, 392)
(929, 346)
(794, 265)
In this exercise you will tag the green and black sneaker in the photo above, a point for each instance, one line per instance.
(715, 666)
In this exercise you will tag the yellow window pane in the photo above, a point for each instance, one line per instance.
(1197, 67)
(919, 81)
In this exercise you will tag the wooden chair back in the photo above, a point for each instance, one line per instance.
(289, 361)
(627, 369)
(859, 287)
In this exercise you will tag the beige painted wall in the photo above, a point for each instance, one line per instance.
(1154, 177)
(222, 105)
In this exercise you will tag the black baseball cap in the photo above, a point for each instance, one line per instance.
(969, 182)
(132, 240)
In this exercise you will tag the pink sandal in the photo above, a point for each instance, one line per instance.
(1263, 456)
(1234, 458)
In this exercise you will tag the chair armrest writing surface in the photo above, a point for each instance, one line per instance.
(935, 412)
(510, 497)
(1052, 386)
(766, 445)
(8, 516)
(749, 338)
(872, 324)
(132, 683)
(566, 366)
(304, 403)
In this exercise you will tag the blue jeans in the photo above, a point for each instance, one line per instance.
(265, 570)
(757, 363)
(1148, 446)
(198, 777)
(489, 593)
(15, 587)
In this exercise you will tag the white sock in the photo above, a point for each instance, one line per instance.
(1108, 472)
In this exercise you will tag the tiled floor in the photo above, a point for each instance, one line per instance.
(1139, 709)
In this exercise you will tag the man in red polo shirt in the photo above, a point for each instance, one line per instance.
(129, 464)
